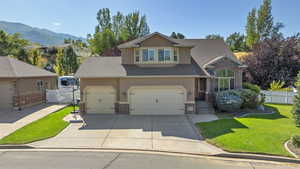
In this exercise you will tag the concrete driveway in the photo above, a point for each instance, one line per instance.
(164, 133)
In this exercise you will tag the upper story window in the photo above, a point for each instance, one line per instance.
(156, 55)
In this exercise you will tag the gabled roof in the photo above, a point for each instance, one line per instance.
(136, 42)
(207, 50)
(13, 68)
(100, 67)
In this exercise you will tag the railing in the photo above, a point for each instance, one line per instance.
(283, 97)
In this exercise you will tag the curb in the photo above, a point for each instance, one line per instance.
(287, 149)
(240, 156)
(259, 157)
(21, 146)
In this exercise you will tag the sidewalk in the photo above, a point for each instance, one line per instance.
(11, 121)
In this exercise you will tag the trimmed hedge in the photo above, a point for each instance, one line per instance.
(228, 101)
(232, 100)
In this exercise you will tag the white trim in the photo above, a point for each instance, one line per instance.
(229, 79)
(156, 55)
(189, 102)
(123, 102)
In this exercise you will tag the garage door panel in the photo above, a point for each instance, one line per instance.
(101, 100)
(157, 101)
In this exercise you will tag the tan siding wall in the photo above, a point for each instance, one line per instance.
(29, 85)
(29, 94)
(7, 93)
(187, 83)
(127, 56)
(185, 55)
(156, 41)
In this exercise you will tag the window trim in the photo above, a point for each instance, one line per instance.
(156, 55)
(217, 88)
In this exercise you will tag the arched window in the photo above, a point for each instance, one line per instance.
(224, 80)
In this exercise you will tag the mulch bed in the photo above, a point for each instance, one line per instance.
(293, 148)
(244, 112)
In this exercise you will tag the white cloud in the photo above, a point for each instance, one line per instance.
(56, 23)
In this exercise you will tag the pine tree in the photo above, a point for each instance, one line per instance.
(265, 20)
(296, 108)
(251, 29)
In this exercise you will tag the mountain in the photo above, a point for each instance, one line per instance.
(36, 35)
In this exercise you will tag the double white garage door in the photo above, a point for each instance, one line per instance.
(152, 100)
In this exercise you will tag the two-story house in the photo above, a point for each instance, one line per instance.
(158, 75)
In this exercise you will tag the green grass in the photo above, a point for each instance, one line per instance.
(43, 128)
(255, 133)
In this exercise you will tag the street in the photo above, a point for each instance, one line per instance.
(114, 160)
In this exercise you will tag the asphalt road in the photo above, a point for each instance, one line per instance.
(108, 160)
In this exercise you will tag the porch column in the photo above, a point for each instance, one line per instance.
(208, 93)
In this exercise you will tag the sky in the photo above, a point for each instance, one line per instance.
(193, 18)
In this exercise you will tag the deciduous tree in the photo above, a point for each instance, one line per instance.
(275, 58)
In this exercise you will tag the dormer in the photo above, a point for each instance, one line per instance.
(155, 49)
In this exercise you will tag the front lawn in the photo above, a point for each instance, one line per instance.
(43, 128)
(255, 133)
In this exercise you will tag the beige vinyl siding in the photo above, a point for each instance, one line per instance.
(6, 96)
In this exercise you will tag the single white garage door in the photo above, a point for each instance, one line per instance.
(100, 100)
(6, 94)
(157, 100)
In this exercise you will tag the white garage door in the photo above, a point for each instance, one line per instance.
(157, 100)
(100, 100)
(6, 93)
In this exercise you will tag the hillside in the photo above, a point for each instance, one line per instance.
(36, 35)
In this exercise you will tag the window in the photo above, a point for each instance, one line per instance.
(40, 84)
(151, 54)
(156, 55)
(167, 55)
(161, 55)
(137, 55)
(225, 80)
(145, 55)
(175, 54)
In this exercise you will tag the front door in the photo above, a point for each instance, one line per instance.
(201, 88)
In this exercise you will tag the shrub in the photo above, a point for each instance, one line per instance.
(249, 97)
(296, 106)
(228, 101)
(252, 87)
(296, 141)
(276, 85)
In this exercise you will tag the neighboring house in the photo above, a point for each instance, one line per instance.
(23, 85)
(157, 74)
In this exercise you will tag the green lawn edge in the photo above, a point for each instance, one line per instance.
(44, 128)
(253, 133)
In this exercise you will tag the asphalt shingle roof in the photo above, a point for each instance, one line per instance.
(203, 52)
(111, 67)
(13, 68)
